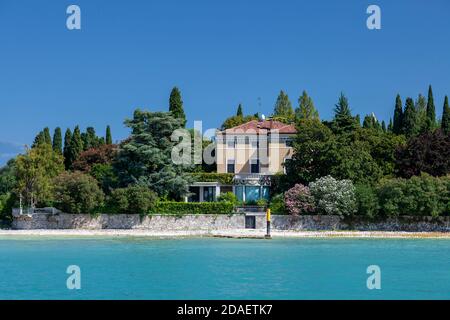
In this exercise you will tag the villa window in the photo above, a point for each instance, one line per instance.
(230, 166)
(285, 162)
(231, 142)
(255, 143)
(289, 142)
(209, 194)
(254, 166)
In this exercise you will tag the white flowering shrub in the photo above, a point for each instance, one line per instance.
(333, 196)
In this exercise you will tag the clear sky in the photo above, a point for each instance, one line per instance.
(130, 54)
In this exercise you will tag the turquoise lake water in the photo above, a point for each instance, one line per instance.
(137, 268)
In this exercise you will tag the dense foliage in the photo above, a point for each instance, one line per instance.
(146, 156)
(333, 196)
(298, 200)
(179, 208)
(76, 192)
(133, 200)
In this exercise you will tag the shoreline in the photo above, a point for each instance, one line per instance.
(232, 233)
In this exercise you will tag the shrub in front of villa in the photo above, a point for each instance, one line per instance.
(76, 192)
(334, 197)
(367, 201)
(298, 200)
(422, 195)
(181, 208)
(133, 199)
(277, 205)
(228, 197)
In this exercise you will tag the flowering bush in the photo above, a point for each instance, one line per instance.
(334, 196)
(298, 200)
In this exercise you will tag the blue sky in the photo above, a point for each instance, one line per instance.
(219, 53)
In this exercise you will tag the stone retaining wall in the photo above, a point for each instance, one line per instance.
(223, 222)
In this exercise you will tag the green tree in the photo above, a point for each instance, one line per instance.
(410, 119)
(283, 107)
(146, 156)
(108, 137)
(311, 147)
(8, 177)
(75, 147)
(239, 111)
(66, 151)
(47, 137)
(431, 110)
(306, 109)
(445, 122)
(383, 126)
(76, 192)
(421, 112)
(176, 105)
(398, 116)
(38, 140)
(390, 127)
(35, 171)
(90, 139)
(343, 120)
(57, 141)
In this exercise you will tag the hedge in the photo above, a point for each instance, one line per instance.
(223, 178)
(180, 208)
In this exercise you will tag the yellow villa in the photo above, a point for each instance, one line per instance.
(252, 152)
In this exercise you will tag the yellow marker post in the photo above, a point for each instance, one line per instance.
(268, 223)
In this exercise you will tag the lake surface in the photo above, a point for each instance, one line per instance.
(138, 268)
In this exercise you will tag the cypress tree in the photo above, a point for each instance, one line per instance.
(421, 110)
(176, 105)
(390, 127)
(57, 141)
(90, 139)
(66, 151)
(445, 123)
(76, 146)
(283, 107)
(239, 111)
(108, 137)
(431, 110)
(47, 137)
(383, 126)
(410, 118)
(368, 122)
(398, 116)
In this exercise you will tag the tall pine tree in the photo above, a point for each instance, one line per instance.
(57, 141)
(239, 111)
(283, 108)
(66, 151)
(343, 120)
(445, 123)
(47, 137)
(176, 105)
(397, 125)
(108, 137)
(306, 109)
(431, 110)
(410, 119)
(76, 146)
(421, 110)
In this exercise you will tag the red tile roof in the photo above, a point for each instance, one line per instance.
(261, 126)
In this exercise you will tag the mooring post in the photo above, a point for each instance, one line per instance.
(268, 223)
